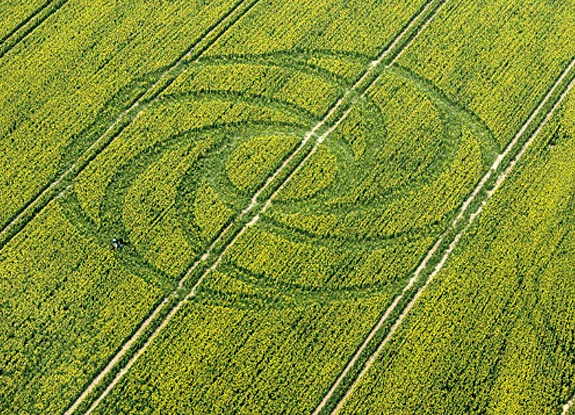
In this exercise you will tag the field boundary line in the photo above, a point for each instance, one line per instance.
(32, 208)
(23, 22)
(331, 113)
(29, 25)
(423, 265)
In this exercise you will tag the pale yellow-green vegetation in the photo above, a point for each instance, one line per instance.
(316, 175)
(498, 58)
(494, 332)
(297, 285)
(210, 213)
(279, 82)
(149, 210)
(348, 67)
(255, 159)
(347, 27)
(164, 121)
(68, 302)
(15, 12)
(75, 74)
(253, 360)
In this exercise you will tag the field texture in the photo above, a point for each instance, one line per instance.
(349, 207)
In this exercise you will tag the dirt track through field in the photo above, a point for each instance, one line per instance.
(363, 82)
(218, 29)
(41, 200)
(568, 405)
(423, 265)
(28, 25)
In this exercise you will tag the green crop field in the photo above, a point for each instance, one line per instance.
(346, 207)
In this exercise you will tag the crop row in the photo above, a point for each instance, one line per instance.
(98, 211)
(285, 267)
(278, 260)
(344, 27)
(496, 57)
(16, 14)
(241, 360)
(66, 299)
(224, 245)
(77, 72)
(494, 332)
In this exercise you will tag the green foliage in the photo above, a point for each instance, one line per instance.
(242, 360)
(166, 121)
(279, 80)
(494, 332)
(502, 80)
(78, 72)
(149, 210)
(334, 238)
(256, 159)
(15, 12)
(294, 296)
(349, 68)
(210, 213)
(316, 175)
(68, 303)
(380, 210)
(351, 27)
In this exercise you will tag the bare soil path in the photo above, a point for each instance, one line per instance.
(332, 118)
(434, 250)
(568, 405)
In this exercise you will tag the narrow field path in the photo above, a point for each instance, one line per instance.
(331, 119)
(568, 405)
(569, 71)
(28, 25)
(53, 189)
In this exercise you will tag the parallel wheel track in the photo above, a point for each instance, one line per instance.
(61, 184)
(28, 25)
(230, 234)
(480, 190)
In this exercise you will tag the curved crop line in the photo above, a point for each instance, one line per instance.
(28, 25)
(266, 300)
(294, 298)
(49, 192)
(218, 179)
(294, 54)
(258, 279)
(288, 62)
(255, 279)
(115, 194)
(481, 187)
(280, 60)
(73, 212)
(345, 157)
(76, 216)
(328, 124)
(364, 242)
(487, 142)
(132, 168)
(321, 201)
(129, 170)
(249, 98)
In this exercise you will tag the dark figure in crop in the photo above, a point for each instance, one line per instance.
(117, 244)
